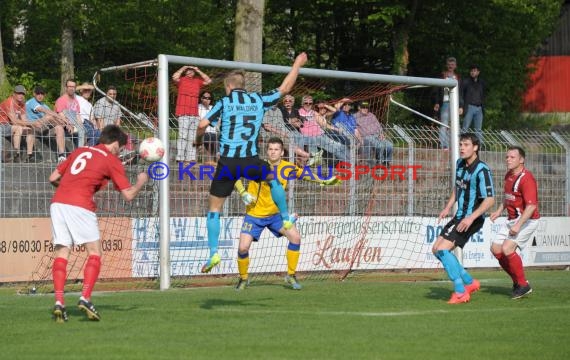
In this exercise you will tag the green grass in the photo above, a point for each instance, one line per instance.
(366, 317)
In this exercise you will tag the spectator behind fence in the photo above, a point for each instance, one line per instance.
(274, 126)
(344, 120)
(92, 132)
(68, 106)
(211, 135)
(106, 110)
(473, 94)
(441, 102)
(186, 111)
(376, 147)
(15, 123)
(40, 113)
(288, 111)
(323, 116)
(315, 139)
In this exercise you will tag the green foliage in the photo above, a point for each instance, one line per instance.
(27, 79)
(354, 35)
(500, 36)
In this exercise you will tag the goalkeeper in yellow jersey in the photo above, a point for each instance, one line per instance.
(261, 213)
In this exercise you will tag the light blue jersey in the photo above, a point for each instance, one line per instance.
(31, 112)
(241, 115)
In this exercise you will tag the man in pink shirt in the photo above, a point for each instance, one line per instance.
(68, 106)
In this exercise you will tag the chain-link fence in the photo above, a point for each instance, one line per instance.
(399, 190)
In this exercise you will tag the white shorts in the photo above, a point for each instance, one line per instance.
(73, 225)
(522, 237)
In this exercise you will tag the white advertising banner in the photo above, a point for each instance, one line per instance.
(337, 243)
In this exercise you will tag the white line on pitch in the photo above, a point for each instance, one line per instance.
(384, 313)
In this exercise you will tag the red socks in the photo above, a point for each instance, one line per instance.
(90, 275)
(512, 264)
(59, 274)
(517, 270)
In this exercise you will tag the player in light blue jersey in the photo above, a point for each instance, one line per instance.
(240, 115)
(475, 194)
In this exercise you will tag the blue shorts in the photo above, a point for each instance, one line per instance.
(254, 226)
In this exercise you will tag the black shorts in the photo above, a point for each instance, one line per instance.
(230, 170)
(450, 232)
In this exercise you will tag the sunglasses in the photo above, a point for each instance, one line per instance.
(206, 98)
(307, 103)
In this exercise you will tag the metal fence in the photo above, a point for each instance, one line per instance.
(25, 191)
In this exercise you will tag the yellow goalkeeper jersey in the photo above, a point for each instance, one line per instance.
(264, 206)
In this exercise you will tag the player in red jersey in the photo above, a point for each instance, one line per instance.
(521, 202)
(72, 211)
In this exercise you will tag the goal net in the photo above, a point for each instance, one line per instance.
(381, 217)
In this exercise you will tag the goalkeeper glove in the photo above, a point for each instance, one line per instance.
(331, 182)
(246, 197)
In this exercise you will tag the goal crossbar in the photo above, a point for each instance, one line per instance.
(163, 120)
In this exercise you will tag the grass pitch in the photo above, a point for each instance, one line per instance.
(365, 317)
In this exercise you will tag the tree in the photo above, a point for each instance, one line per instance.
(402, 29)
(4, 84)
(248, 37)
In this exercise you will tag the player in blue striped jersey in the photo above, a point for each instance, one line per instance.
(474, 193)
(240, 115)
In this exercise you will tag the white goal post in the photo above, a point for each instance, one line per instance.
(164, 111)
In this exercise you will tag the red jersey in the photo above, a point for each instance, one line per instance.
(188, 93)
(10, 106)
(520, 190)
(85, 172)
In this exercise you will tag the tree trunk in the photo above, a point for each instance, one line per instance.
(400, 41)
(248, 37)
(67, 60)
(3, 78)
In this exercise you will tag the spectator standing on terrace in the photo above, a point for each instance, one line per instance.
(189, 86)
(521, 203)
(473, 94)
(15, 123)
(106, 110)
(211, 135)
(441, 101)
(474, 194)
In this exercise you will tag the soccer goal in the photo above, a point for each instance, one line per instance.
(376, 219)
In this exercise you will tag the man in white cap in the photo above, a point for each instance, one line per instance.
(92, 133)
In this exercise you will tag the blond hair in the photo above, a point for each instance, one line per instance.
(235, 79)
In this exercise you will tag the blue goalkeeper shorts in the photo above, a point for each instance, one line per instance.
(254, 226)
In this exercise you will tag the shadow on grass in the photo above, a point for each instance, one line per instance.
(439, 293)
(74, 312)
(501, 291)
(218, 303)
(443, 292)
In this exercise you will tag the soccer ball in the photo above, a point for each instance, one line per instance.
(151, 149)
